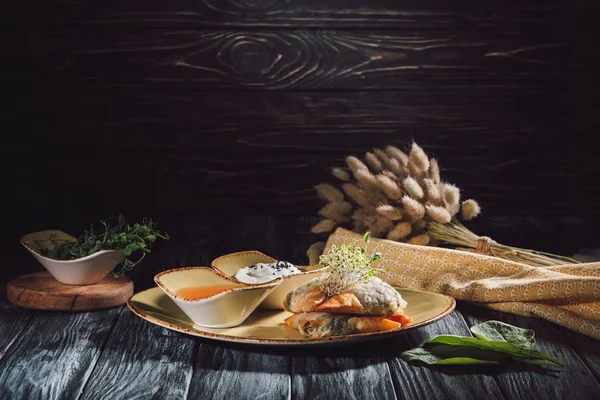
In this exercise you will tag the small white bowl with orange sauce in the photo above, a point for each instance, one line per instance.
(210, 299)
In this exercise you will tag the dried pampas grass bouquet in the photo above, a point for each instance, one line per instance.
(402, 197)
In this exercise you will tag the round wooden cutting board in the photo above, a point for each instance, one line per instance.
(41, 291)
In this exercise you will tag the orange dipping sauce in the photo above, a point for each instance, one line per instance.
(202, 292)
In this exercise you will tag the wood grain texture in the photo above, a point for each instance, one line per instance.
(106, 354)
(377, 370)
(142, 360)
(55, 354)
(280, 13)
(416, 381)
(263, 152)
(241, 372)
(41, 291)
(349, 377)
(244, 372)
(13, 323)
(573, 381)
(470, 61)
(586, 348)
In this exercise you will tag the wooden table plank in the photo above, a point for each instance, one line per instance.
(354, 371)
(114, 354)
(142, 359)
(13, 321)
(13, 324)
(587, 348)
(459, 61)
(55, 354)
(341, 372)
(226, 370)
(431, 14)
(242, 372)
(417, 381)
(522, 382)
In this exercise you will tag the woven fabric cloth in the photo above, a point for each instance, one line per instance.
(567, 295)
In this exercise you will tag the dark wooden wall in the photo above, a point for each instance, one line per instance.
(239, 106)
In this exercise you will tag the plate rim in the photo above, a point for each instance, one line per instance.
(289, 341)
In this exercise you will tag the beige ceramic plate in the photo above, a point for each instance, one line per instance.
(266, 326)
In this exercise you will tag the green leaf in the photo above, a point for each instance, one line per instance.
(367, 237)
(432, 357)
(495, 342)
(502, 332)
(536, 361)
(499, 346)
(464, 361)
(127, 251)
(420, 354)
(376, 257)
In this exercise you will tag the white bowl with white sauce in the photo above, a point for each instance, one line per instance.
(253, 267)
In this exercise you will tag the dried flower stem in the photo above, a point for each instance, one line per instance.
(400, 231)
(420, 240)
(341, 174)
(439, 214)
(413, 188)
(389, 187)
(413, 208)
(434, 170)
(355, 164)
(390, 163)
(391, 212)
(398, 154)
(373, 162)
(470, 209)
(432, 191)
(418, 156)
(356, 193)
(323, 226)
(456, 234)
(314, 252)
(329, 192)
(338, 211)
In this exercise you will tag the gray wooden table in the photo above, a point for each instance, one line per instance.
(113, 354)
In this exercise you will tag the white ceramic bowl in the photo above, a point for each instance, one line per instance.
(222, 310)
(82, 271)
(229, 264)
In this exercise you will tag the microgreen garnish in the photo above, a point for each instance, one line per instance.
(136, 238)
(347, 265)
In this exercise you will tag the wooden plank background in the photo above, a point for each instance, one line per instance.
(113, 353)
(241, 106)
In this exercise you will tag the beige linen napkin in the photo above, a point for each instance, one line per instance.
(568, 295)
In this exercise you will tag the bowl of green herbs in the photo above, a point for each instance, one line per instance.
(90, 257)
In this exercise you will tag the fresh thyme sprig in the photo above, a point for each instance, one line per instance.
(347, 265)
(136, 238)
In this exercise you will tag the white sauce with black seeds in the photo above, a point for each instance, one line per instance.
(263, 272)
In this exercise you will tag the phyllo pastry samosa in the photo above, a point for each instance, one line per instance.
(371, 297)
(347, 299)
(319, 324)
